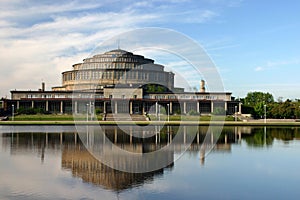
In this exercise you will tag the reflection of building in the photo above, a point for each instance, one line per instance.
(76, 158)
(84, 165)
(120, 82)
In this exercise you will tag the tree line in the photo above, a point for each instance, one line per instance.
(259, 103)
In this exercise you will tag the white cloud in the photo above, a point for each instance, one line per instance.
(35, 50)
(22, 8)
(259, 69)
(276, 64)
(40, 40)
(200, 17)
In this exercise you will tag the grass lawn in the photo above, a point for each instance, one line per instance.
(52, 117)
(190, 118)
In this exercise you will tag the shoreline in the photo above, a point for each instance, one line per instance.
(145, 123)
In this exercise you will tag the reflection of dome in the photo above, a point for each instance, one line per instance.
(84, 165)
(115, 67)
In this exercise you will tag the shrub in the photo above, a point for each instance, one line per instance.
(193, 112)
(219, 111)
(98, 111)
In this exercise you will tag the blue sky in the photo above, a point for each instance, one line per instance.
(254, 44)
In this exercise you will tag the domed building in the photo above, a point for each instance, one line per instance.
(116, 67)
(119, 81)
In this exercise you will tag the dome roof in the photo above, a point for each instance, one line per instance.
(116, 51)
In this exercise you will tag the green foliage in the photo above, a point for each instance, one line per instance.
(26, 111)
(150, 88)
(177, 112)
(248, 110)
(259, 138)
(284, 110)
(163, 111)
(155, 88)
(98, 111)
(229, 118)
(219, 111)
(254, 98)
(31, 111)
(257, 101)
(160, 89)
(193, 112)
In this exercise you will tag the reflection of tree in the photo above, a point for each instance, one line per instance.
(259, 138)
(284, 134)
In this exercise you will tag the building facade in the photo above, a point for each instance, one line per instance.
(120, 82)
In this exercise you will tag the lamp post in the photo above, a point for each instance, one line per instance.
(265, 108)
(13, 112)
(87, 112)
(168, 112)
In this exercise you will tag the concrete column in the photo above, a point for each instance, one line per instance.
(212, 106)
(240, 108)
(104, 107)
(116, 107)
(61, 107)
(184, 107)
(18, 104)
(143, 108)
(76, 107)
(198, 107)
(47, 106)
(130, 107)
(171, 107)
(156, 109)
(225, 106)
(32, 104)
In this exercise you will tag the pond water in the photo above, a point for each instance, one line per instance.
(52, 162)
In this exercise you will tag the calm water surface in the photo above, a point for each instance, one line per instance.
(246, 163)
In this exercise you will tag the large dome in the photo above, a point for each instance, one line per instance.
(115, 67)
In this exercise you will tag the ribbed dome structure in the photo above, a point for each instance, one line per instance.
(115, 67)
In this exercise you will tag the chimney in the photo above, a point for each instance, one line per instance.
(202, 86)
(43, 86)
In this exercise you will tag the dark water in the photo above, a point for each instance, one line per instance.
(246, 163)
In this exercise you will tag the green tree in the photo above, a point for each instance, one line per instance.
(257, 100)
